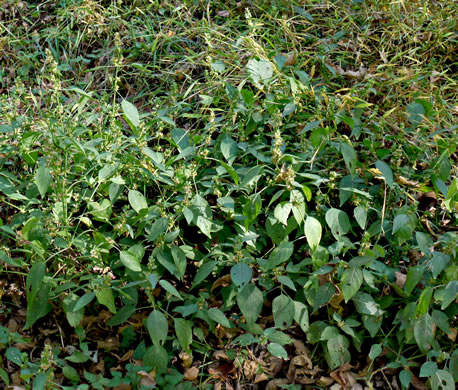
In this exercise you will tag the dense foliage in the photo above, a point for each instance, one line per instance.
(258, 194)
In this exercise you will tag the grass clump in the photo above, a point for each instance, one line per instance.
(221, 194)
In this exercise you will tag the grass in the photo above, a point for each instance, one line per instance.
(200, 194)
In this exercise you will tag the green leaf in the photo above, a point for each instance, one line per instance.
(205, 225)
(301, 316)
(169, 288)
(232, 172)
(241, 274)
(297, 201)
(281, 212)
(279, 255)
(350, 157)
(14, 355)
(415, 113)
(229, 148)
(275, 336)
(312, 231)
(338, 222)
(71, 373)
(337, 351)
(360, 215)
(442, 380)
(179, 259)
(219, 317)
(414, 275)
(386, 172)
(130, 261)
(352, 279)
(250, 301)
(43, 180)
(425, 299)
(450, 294)
(323, 295)
(404, 377)
(277, 350)
(286, 281)
(39, 383)
(130, 113)
(428, 369)
(376, 350)
(4, 377)
(157, 228)
(260, 70)
(157, 327)
(423, 332)
(283, 311)
(183, 331)
(438, 263)
(122, 315)
(156, 357)
(205, 270)
(137, 200)
(83, 301)
(365, 304)
(105, 297)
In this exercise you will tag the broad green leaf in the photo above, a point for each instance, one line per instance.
(130, 261)
(283, 311)
(179, 259)
(130, 113)
(450, 294)
(156, 357)
(260, 70)
(43, 180)
(232, 172)
(71, 373)
(438, 263)
(415, 113)
(157, 228)
(365, 304)
(386, 172)
(229, 148)
(399, 222)
(205, 270)
(183, 331)
(105, 297)
(441, 320)
(157, 327)
(282, 211)
(414, 275)
(250, 301)
(286, 281)
(352, 279)
(301, 315)
(39, 382)
(323, 295)
(405, 377)
(277, 350)
(205, 225)
(275, 336)
(137, 200)
(350, 157)
(241, 274)
(14, 355)
(312, 231)
(167, 286)
(35, 279)
(337, 351)
(122, 315)
(372, 323)
(297, 201)
(360, 215)
(315, 331)
(423, 332)
(338, 222)
(279, 255)
(219, 317)
(442, 380)
(376, 350)
(428, 369)
(83, 301)
(425, 299)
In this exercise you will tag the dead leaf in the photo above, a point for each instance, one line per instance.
(109, 344)
(325, 381)
(122, 386)
(187, 359)
(291, 60)
(191, 374)
(400, 279)
(343, 376)
(452, 334)
(273, 384)
(260, 378)
(222, 369)
(223, 13)
(147, 379)
(249, 369)
(223, 281)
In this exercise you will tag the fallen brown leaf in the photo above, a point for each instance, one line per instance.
(273, 384)
(191, 374)
(147, 379)
(400, 279)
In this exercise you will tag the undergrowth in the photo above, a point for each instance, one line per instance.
(209, 194)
